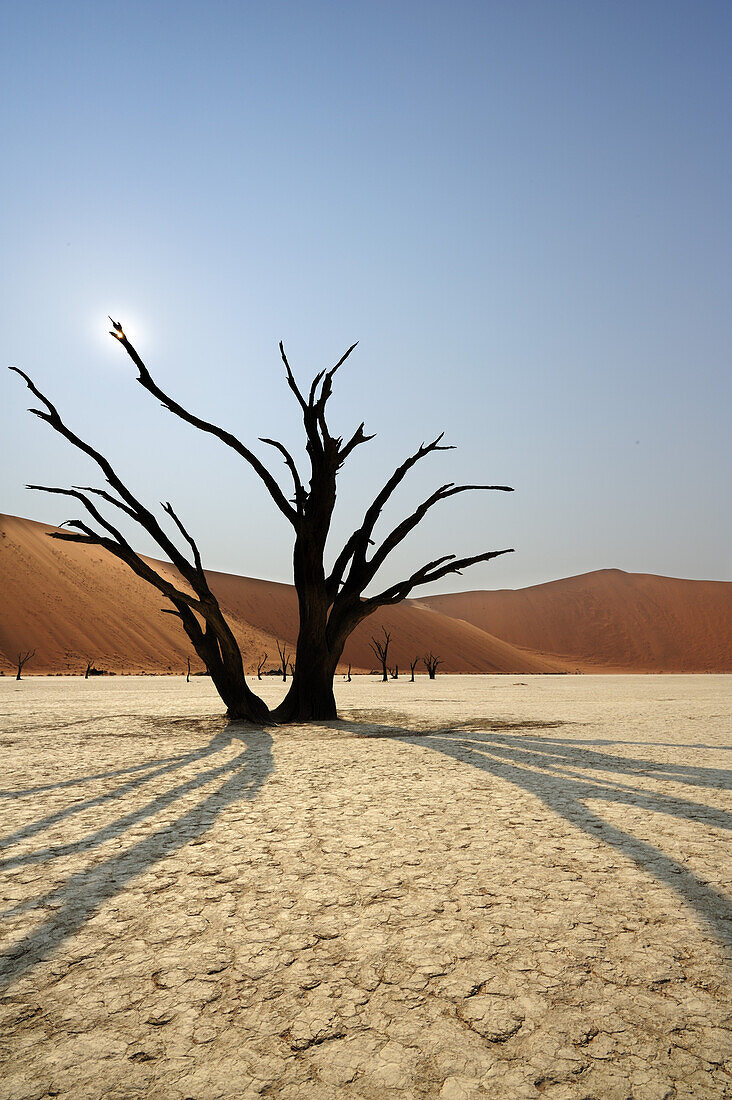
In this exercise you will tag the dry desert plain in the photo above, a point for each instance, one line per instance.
(488, 886)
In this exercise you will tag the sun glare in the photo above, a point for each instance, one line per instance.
(102, 324)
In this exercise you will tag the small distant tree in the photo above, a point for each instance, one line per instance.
(348, 676)
(432, 663)
(260, 666)
(331, 600)
(23, 659)
(188, 673)
(395, 672)
(381, 650)
(284, 660)
(89, 667)
(412, 665)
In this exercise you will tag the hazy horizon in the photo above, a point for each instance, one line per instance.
(520, 211)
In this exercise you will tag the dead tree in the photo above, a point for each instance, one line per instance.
(284, 660)
(89, 666)
(260, 666)
(348, 677)
(381, 649)
(188, 673)
(331, 600)
(395, 672)
(431, 663)
(412, 665)
(23, 659)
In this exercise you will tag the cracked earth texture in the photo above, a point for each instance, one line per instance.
(505, 887)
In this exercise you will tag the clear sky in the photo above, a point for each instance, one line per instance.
(520, 209)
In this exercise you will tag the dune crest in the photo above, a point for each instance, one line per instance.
(73, 603)
(610, 620)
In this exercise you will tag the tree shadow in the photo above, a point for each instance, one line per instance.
(84, 892)
(556, 771)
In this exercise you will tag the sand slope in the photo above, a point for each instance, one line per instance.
(70, 603)
(633, 622)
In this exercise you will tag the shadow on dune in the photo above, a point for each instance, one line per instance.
(557, 771)
(84, 892)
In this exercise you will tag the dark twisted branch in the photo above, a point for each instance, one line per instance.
(300, 494)
(433, 571)
(356, 547)
(139, 512)
(401, 531)
(168, 507)
(147, 382)
(117, 546)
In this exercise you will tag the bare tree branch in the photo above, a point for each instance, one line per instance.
(433, 571)
(356, 440)
(147, 382)
(291, 380)
(357, 545)
(168, 507)
(142, 515)
(300, 494)
(401, 531)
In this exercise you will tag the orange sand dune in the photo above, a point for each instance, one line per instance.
(610, 620)
(72, 603)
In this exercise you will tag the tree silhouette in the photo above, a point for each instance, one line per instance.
(23, 659)
(431, 663)
(381, 650)
(331, 601)
(284, 659)
(412, 665)
(260, 666)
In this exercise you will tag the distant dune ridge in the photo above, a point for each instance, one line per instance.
(73, 603)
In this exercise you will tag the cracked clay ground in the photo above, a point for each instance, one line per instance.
(490, 886)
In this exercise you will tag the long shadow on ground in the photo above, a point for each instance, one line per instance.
(556, 771)
(562, 773)
(85, 891)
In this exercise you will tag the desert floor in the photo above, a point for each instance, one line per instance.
(477, 886)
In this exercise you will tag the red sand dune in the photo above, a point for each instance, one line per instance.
(610, 621)
(73, 603)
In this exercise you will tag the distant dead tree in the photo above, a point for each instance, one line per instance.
(260, 666)
(432, 663)
(23, 659)
(284, 659)
(188, 674)
(89, 667)
(348, 676)
(395, 672)
(331, 600)
(412, 665)
(381, 650)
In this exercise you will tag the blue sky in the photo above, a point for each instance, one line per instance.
(519, 209)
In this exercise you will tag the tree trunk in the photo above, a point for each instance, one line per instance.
(311, 696)
(219, 650)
